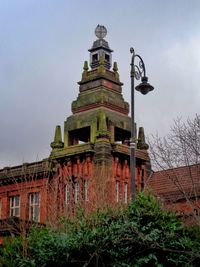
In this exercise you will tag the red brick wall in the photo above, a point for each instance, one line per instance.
(24, 189)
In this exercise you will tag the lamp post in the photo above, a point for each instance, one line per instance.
(137, 72)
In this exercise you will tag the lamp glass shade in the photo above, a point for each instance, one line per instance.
(144, 87)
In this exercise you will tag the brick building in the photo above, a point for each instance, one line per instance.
(179, 190)
(90, 165)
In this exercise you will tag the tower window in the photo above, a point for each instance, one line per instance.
(79, 136)
(95, 57)
(107, 58)
(122, 136)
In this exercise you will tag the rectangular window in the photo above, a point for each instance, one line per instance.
(15, 206)
(107, 58)
(142, 180)
(0, 208)
(85, 190)
(95, 57)
(67, 194)
(76, 192)
(34, 206)
(125, 193)
(196, 212)
(117, 191)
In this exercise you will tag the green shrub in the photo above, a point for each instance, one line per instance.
(142, 234)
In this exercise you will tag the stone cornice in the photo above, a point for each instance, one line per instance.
(98, 105)
(26, 171)
(124, 149)
(72, 150)
(95, 75)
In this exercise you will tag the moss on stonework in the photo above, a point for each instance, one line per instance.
(115, 69)
(72, 151)
(100, 95)
(85, 70)
(103, 128)
(101, 68)
(86, 118)
(141, 140)
(100, 72)
(57, 143)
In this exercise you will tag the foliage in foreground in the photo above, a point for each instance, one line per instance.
(140, 235)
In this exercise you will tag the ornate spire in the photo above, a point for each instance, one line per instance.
(57, 143)
(85, 70)
(115, 69)
(141, 140)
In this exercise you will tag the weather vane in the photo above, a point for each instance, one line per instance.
(100, 31)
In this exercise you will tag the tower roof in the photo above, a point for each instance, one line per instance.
(100, 43)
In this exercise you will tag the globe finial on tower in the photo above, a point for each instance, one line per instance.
(100, 31)
(100, 49)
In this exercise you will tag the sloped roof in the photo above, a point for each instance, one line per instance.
(176, 184)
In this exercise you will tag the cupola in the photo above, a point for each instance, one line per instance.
(100, 49)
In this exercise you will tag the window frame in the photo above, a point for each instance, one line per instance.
(85, 190)
(14, 207)
(117, 191)
(0, 208)
(67, 194)
(76, 192)
(34, 204)
(125, 192)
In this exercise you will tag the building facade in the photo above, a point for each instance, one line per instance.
(179, 190)
(90, 164)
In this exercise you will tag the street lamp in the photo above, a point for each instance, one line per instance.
(138, 72)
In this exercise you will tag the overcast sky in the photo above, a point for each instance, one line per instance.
(43, 44)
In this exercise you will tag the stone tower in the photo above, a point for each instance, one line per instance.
(95, 152)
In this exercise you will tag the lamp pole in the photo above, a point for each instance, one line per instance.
(138, 71)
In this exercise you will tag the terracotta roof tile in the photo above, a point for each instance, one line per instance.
(174, 183)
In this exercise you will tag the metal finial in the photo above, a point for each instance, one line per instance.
(100, 31)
